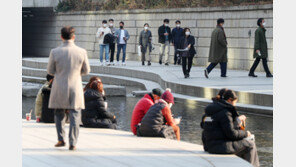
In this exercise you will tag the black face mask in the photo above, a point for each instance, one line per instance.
(121, 27)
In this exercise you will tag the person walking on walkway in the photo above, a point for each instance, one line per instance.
(260, 49)
(122, 36)
(112, 45)
(143, 106)
(218, 50)
(158, 121)
(67, 63)
(223, 130)
(186, 43)
(177, 34)
(164, 38)
(102, 31)
(95, 114)
(145, 43)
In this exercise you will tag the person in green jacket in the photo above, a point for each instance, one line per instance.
(218, 50)
(260, 49)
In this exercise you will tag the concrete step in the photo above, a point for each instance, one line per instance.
(203, 89)
(31, 74)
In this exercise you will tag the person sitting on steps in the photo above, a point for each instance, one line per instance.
(224, 131)
(158, 121)
(42, 111)
(95, 114)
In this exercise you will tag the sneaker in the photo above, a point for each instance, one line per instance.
(72, 148)
(104, 64)
(117, 63)
(149, 64)
(123, 64)
(206, 73)
(166, 64)
(100, 63)
(223, 76)
(269, 75)
(108, 64)
(252, 75)
(60, 144)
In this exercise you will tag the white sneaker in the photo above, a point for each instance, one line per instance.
(108, 63)
(123, 64)
(100, 64)
(104, 64)
(117, 63)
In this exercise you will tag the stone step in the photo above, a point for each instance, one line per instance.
(35, 74)
(203, 89)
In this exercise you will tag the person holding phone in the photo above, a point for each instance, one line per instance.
(222, 132)
(260, 49)
(102, 31)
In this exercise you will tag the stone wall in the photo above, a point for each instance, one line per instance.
(40, 34)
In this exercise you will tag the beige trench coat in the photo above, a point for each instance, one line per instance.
(67, 63)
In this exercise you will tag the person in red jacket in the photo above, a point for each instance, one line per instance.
(142, 107)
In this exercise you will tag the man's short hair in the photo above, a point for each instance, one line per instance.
(49, 77)
(146, 24)
(259, 21)
(67, 32)
(178, 21)
(111, 20)
(166, 20)
(220, 20)
(121, 22)
(157, 92)
(104, 21)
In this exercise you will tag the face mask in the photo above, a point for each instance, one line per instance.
(121, 27)
(264, 23)
(146, 28)
(178, 25)
(104, 25)
(187, 33)
(166, 25)
(111, 24)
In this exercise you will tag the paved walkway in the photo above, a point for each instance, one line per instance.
(114, 148)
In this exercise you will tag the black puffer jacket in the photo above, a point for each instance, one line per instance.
(222, 134)
(47, 115)
(94, 107)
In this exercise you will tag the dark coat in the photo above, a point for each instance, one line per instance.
(161, 31)
(94, 107)
(222, 135)
(190, 40)
(177, 34)
(108, 39)
(260, 43)
(218, 47)
(47, 115)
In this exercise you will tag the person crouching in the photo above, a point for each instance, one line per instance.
(158, 121)
(95, 114)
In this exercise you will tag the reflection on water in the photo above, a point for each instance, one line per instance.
(191, 113)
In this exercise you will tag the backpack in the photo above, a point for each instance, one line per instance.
(47, 115)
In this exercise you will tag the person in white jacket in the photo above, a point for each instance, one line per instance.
(102, 31)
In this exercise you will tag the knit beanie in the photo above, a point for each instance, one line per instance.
(168, 96)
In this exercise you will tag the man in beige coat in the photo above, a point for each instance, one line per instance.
(67, 63)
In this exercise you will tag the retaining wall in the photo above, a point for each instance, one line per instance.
(40, 34)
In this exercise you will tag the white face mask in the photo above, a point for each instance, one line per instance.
(104, 25)
(178, 25)
(111, 24)
(166, 25)
(187, 33)
(264, 23)
(146, 28)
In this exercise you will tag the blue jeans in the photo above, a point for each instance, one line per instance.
(106, 47)
(223, 67)
(119, 47)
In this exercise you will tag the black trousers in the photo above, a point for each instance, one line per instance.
(186, 67)
(255, 64)
(177, 60)
(223, 67)
(111, 51)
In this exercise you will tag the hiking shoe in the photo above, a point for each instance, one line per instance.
(60, 144)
